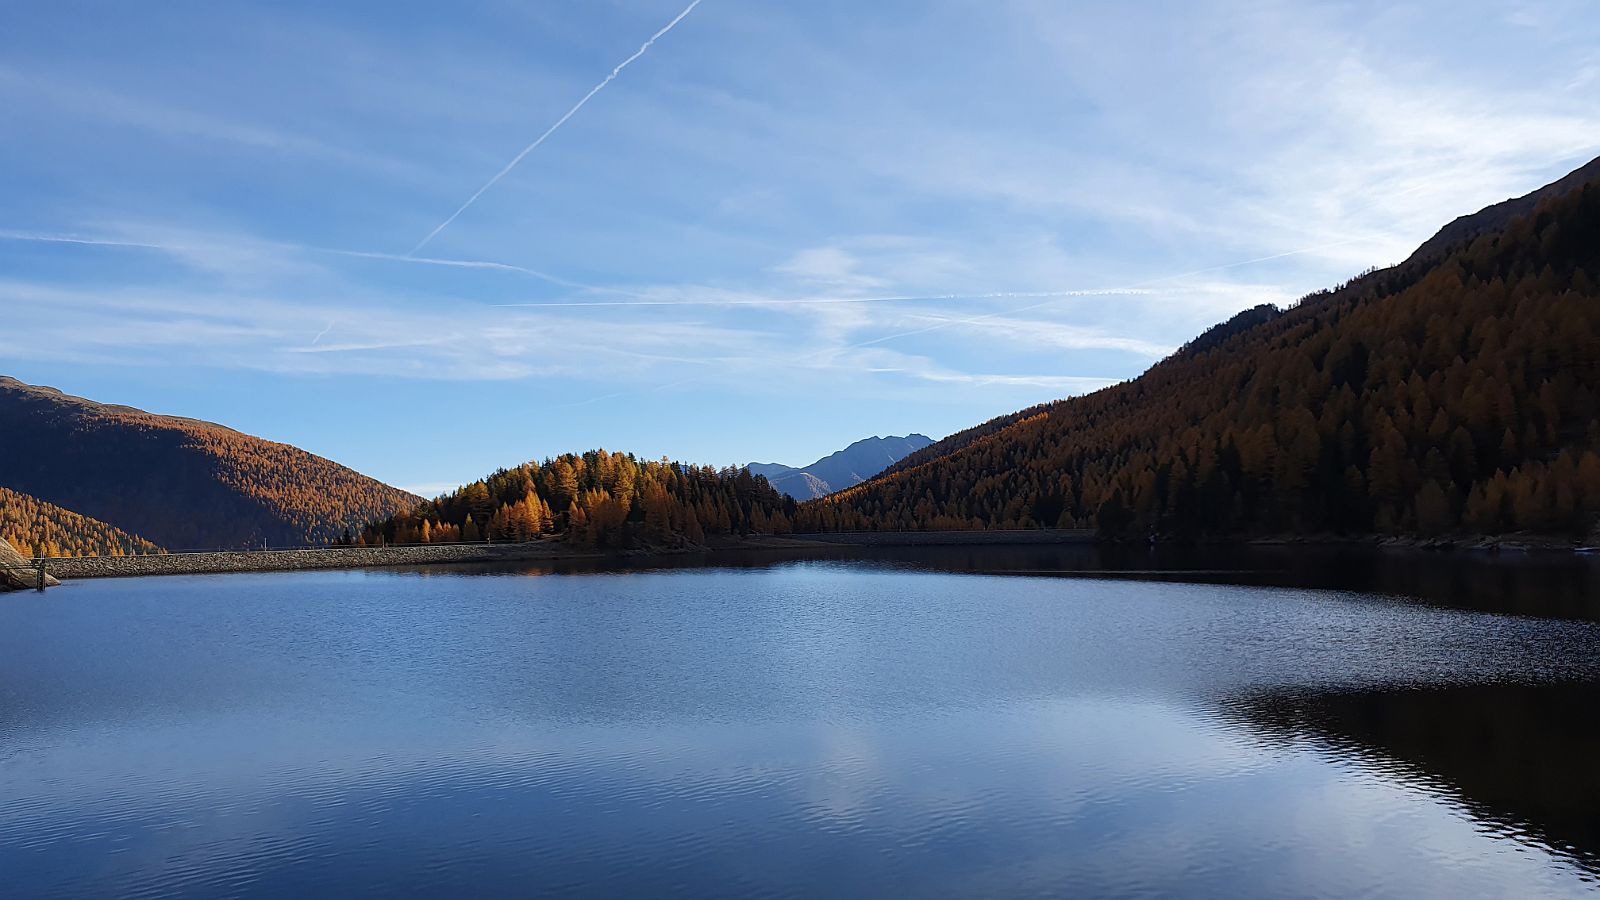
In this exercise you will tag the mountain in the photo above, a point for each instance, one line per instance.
(44, 529)
(1455, 393)
(792, 482)
(598, 499)
(844, 468)
(181, 483)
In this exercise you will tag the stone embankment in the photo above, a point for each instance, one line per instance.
(951, 538)
(17, 572)
(293, 560)
(431, 554)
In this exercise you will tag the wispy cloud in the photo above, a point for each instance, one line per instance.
(100, 107)
(702, 296)
(1033, 332)
(985, 211)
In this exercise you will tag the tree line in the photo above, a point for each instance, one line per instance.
(597, 499)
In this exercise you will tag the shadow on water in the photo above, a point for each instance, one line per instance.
(1548, 585)
(1519, 758)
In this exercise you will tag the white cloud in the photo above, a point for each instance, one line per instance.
(1052, 335)
(716, 221)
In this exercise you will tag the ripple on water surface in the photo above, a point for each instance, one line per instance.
(841, 728)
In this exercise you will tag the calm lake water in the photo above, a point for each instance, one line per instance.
(980, 723)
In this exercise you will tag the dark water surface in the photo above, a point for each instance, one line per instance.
(984, 722)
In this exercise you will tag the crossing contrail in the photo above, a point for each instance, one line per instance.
(552, 129)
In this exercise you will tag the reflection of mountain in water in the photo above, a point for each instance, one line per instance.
(1523, 759)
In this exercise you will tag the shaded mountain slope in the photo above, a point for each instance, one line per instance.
(1498, 216)
(37, 528)
(965, 438)
(1455, 392)
(179, 482)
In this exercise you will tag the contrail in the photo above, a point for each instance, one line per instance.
(552, 129)
(73, 239)
(171, 247)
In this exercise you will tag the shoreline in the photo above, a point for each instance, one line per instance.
(226, 561)
(220, 562)
(326, 558)
(223, 562)
(1503, 543)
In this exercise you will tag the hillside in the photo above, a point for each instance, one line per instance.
(602, 500)
(1454, 393)
(841, 469)
(178, 482)
(37, 528)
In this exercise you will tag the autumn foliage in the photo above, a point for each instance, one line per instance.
(1455, 393)
(37, 528)
(182, 483)
(599, 500)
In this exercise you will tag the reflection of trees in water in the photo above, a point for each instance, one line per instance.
(1554, 585)
(1522, 759)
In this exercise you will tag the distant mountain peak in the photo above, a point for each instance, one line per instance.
(841, 469)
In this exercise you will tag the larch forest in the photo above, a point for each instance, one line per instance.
(598, 500)
(37, 528)
(1454, 393)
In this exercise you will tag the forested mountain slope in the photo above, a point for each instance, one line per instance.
(597, 499)
(37, 528)
(179, 482)
(964, 438)
(1456, 392)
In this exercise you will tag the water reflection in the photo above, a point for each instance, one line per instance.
(1522, 758)
(1547, 584)
(968, 723)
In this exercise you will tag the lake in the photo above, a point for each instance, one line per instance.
(988, 722)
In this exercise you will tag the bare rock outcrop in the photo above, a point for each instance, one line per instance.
(17, 572)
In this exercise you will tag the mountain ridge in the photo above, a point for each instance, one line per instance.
(179, 482)
(844, 468)
(1354, 410)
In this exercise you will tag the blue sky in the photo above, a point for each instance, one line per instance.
(210, 208)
